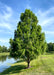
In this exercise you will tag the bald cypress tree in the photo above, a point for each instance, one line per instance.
(29, 40)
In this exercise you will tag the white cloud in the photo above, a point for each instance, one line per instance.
(5, 32)
(5, 16)
(46, 18)
(28, 6)
(50, 41)
(4, 40)
(6, 26)
(49, 32)
(8, 13)
(48, 21)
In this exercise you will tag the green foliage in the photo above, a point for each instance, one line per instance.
(0, 49)
(3, 49)
(50, 47)
(29, 41)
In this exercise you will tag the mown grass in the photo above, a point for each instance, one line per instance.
(44, 65)
(4, 53)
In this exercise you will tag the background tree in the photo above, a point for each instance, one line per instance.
(0, 49)
(29, 40)
(50, 47)
(3, 49)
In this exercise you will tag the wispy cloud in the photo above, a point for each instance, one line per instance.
(46, 20)
(5, 16)
(6, 32)
(49, 32)
(27, 5)
(4, 40)
(47, 17)
(6, 27)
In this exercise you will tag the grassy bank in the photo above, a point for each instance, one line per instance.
(4, 53)
(44, 65)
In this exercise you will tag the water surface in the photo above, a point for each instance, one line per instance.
(5, 62)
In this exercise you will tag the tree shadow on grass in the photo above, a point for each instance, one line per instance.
(14, 69)
(20, 61)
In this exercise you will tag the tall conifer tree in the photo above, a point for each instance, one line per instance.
(29, 40)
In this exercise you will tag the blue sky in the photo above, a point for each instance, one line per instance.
(10, 11)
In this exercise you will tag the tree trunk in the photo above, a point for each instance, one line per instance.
(28, 61)
(28, 64)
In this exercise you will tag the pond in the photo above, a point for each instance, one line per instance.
(5, 62)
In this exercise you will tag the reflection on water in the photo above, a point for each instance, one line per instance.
(3, 58)
(5, 62)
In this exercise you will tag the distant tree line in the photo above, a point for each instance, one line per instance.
(50, 47)
(4, 49)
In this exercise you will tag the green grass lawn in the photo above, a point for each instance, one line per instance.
(4, 53)
(44, 65)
